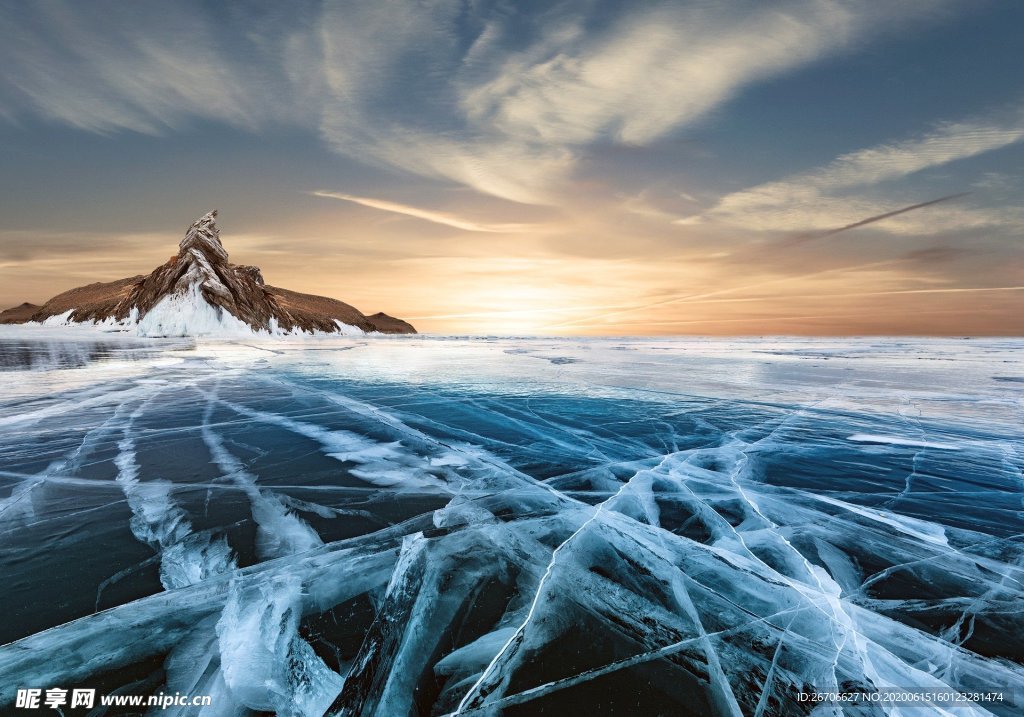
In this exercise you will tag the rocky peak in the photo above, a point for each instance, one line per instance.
(198, 290)
(202, 239)
(202, 260)
(201, 268)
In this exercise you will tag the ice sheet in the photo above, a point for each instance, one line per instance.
(442, 525)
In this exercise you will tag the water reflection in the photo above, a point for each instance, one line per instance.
(50, 355)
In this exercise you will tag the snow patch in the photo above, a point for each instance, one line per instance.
(899, 441)
(59, 319)
(348, 330)
(189, 314)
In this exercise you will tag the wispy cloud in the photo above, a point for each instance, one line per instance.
(654, 70)
(500, 100)
(843, 191)
(156, 68)
(436, 217)
(703, 296)
(527, 95)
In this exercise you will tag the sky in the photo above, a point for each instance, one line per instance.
(815, 167)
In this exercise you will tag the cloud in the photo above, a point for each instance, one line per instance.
(391, 74)
(937, 254)
(509, 106)
(876, 218)
(28, 245)
(655, 70)
(840, 193)
(101, 69)
(429, 215)
(947, 143)
(484, 95)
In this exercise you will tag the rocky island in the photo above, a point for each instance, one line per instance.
(199, 292)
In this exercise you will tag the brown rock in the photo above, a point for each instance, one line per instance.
(389, 324)
(18, 314)
(94, 302)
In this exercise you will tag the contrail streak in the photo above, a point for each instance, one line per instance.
(876, 218)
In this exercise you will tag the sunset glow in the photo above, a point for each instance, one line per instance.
(602, 169)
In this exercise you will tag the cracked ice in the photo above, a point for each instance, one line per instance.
(430, 526)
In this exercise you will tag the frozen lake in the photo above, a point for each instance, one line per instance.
(431, 526)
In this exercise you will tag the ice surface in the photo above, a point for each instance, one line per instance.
(413, 525)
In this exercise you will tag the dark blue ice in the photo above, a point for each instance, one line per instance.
(428, 526)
